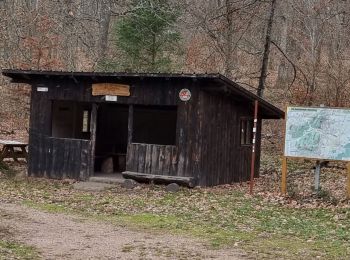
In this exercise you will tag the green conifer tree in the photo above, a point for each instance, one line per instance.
(147, 37)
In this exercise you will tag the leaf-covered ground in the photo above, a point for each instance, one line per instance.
(265, 225)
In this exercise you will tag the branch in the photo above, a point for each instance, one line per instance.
(294, 66)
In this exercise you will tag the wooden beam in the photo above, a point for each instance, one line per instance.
(93, 127)
(130, 123)
(186, 181)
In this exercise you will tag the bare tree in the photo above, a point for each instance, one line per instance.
(265, 60)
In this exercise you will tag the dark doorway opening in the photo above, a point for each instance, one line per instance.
(111, 139)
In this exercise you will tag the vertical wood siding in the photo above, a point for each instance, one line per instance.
(207, 144)
(223, 159)
(59, 158)
(152, 159)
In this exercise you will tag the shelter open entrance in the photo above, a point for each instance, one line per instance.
(111, 139)
(117, 128)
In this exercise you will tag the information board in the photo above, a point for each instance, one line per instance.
(318, 133)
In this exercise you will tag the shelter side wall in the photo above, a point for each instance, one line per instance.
(40, 112)
(224, 160)
(55, 158)
(40, 115)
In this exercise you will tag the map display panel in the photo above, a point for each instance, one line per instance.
(318, 133)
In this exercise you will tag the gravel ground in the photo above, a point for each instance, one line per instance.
(59, 236)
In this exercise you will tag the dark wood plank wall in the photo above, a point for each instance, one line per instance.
(223, 159)
(143, 92)
(152, 159)
(178, 160)
(40, 116)
(181, 161)
(207, 145)
(59, 158)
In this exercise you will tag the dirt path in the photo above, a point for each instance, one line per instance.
(59, 236)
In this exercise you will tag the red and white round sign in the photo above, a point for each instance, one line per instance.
(185, 94)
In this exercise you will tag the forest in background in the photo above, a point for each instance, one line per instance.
(308, 60)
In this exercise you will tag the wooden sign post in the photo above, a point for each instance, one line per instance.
(284, 176)
(348, 181)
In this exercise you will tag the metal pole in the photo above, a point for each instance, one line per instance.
(252, 167)
(318, 170)
(317, 175)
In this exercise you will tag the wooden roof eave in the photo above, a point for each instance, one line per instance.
(270, 111)
(224, 84)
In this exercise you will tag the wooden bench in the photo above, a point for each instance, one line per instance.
(9, 150)
(137, 176)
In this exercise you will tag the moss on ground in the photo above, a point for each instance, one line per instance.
(14, 250)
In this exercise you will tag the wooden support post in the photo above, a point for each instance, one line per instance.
(93, 127)
(2, 153)
(24, 152)
(348, 181)
(130, 123)
(284, 176)
(13, 154)
(252, 167)
(317, 175)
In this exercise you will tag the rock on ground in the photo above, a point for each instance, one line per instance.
(172, 187)
(130, 184)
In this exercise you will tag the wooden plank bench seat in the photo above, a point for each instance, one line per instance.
(163, 179)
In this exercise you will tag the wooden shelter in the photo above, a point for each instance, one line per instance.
(195, 128)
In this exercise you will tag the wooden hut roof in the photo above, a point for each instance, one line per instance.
(220, 84)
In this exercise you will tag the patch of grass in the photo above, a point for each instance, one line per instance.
(221, 216)
(52, 208)
(128, 248)
(14, 250)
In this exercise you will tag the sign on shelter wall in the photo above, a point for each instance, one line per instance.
(318, 133)
(110, 89)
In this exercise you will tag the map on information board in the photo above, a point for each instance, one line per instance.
(318, 133)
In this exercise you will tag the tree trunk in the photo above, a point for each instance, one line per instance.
(104, 23)
(229, 40)
(265, 62)
(283, 72)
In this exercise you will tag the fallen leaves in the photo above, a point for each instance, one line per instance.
(223, 214)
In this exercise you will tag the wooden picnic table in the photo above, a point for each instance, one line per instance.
(9, 150)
